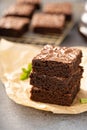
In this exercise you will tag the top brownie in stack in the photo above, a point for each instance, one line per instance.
(59, 8)
(57, 61)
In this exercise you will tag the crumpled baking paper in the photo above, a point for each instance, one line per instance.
(13, 57)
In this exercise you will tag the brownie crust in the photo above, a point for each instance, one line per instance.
(57, 61)
(36, 3)
(20, 10)
(13, 26)
(59, 8)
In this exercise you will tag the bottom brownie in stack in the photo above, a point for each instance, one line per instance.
(52, 88)
(45, 96)
(55, 90)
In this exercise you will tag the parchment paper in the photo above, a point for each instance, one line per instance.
(15, 56)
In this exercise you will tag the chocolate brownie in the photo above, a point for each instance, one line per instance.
(56, 75)
(20, 10)
(44, 96)
(13, 26)
(47, 23)
(59, 8)
(37, 3)
(57, 61)
(58, 84)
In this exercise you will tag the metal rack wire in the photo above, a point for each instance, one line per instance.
(41, 39)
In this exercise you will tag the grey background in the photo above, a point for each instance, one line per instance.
(16, 117)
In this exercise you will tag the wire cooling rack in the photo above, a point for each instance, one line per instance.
(52, 39)
(41, 39)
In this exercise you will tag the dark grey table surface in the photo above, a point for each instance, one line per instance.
(17, 117)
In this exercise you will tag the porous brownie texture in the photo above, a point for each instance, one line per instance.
(47, 23)
(13, 26)
(20, 10)
(58, 84)
(57, 61)
(51, 97)
(59, 8)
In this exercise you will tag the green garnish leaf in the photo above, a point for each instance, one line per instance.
(30, 67)
(83, 100)
(26, 72)
(24, 76)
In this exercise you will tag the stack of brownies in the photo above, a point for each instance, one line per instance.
(56, 75)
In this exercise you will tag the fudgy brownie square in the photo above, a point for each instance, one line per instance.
(56, 75)
(20, 10)
(54, 97)
(37, 3)
(47, 23)
(13, 26)
(58, 84)
(59, 8)
(57, 61)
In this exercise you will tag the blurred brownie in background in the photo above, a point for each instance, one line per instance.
(59, 8)
(13, 26)
(34, 2)
(47, 23)
(20, 10)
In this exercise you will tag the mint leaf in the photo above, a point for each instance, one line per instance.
(26, 72)
(83, 100)
(24, 76)
(30, 67)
